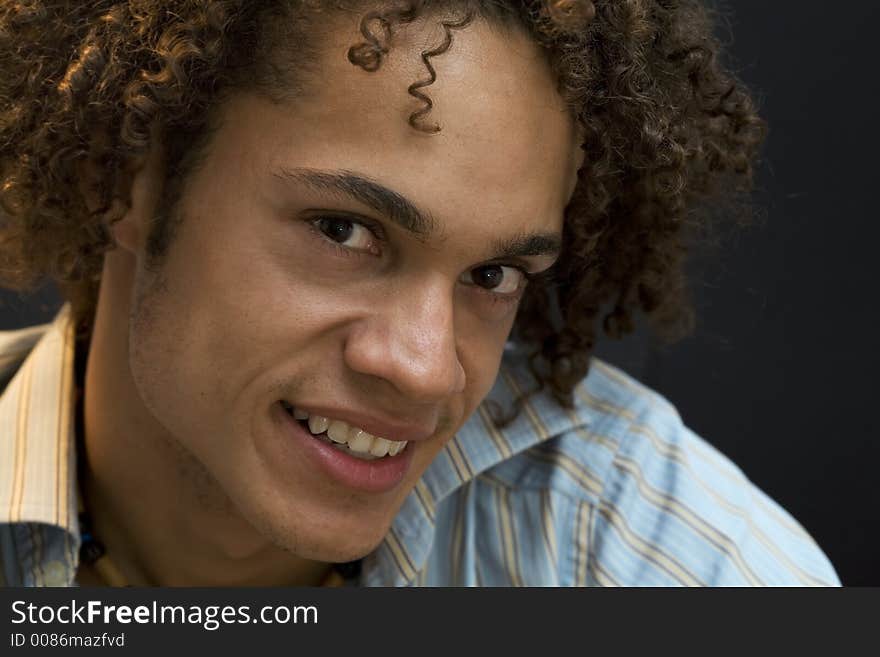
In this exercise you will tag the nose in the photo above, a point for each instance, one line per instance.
(408, 340)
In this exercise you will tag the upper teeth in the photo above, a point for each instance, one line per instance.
(358, 440)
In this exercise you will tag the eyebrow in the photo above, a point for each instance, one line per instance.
(385, 201)
(350, 185)
(529, 245)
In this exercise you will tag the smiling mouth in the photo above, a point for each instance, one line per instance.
(349, 439)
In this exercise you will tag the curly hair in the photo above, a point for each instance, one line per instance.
(666, 128)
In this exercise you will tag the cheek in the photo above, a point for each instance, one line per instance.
(161, 345)
(195, 337)
(480, 355)
(217, 292)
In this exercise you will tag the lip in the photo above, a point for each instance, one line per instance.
(388, 429)
(376, 476)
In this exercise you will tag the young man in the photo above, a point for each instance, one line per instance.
(316, 252)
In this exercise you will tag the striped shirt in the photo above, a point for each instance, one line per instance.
(616, 491)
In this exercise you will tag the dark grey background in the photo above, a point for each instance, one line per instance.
(784, 620)
(780, 374)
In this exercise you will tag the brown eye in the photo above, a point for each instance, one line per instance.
(346, 232)
(488, 277)
(337, 229)
(495, 278)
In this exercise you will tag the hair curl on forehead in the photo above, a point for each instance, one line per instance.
(666, 129)
(550, 20)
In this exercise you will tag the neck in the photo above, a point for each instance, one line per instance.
(161, 516)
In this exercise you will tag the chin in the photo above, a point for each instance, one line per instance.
(331, 551)
(331, 540)
(349, 553)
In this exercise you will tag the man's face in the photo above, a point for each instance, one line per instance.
(293, 282)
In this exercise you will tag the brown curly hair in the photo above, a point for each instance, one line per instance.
(666, 128)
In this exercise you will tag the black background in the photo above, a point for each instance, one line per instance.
(781, 372)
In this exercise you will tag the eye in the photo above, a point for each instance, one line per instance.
(347, 233)
(499, 279)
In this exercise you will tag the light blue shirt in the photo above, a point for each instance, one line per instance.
(617, 491)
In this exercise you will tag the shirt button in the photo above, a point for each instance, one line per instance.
(55, 574)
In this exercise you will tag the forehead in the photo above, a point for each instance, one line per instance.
(507, 149)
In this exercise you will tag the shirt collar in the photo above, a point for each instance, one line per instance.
(37, 410)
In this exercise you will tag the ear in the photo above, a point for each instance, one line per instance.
(127, 233)
(129, 224)
(131, 230)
